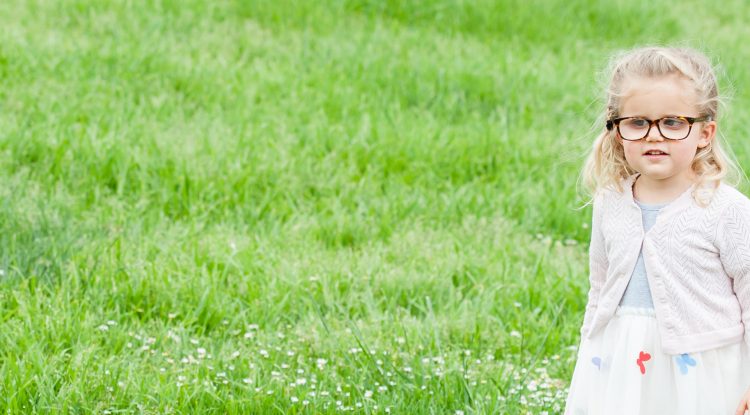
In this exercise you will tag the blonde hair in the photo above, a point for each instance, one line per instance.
(606, 166)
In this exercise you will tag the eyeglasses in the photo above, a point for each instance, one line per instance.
(671, 128)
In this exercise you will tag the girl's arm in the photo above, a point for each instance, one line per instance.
(733, 241)
(598, 264)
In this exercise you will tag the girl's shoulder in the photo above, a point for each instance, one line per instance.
(729, 191)
(728, 196)
(612, 193)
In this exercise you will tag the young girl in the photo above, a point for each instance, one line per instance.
(667, 324)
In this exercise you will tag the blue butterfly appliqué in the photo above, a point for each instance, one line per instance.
(684, 360)
(597, 361)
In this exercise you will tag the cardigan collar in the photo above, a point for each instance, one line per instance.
(682, 201)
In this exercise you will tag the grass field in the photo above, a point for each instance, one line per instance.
(308, 206)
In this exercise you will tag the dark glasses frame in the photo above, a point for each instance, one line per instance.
(615, 123)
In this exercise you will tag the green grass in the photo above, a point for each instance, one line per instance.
(307, 207)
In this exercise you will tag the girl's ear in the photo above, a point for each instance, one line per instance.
(708, 132)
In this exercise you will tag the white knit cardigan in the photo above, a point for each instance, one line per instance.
(697, 263)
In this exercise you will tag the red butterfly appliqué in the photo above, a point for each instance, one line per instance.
(642, 357)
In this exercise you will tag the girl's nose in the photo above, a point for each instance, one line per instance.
(654, 134)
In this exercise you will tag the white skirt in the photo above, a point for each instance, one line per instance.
(622, 370)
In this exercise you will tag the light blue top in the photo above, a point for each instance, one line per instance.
(638, 294)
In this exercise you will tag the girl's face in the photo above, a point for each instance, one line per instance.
(654, 98)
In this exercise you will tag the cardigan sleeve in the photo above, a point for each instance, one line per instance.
(598, 264)
(733, 241)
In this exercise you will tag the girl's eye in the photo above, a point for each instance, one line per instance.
(636, 123)
(674, 123)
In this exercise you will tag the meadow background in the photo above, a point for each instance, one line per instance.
(308, 206)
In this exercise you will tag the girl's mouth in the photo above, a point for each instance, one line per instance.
(655, 154)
